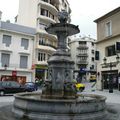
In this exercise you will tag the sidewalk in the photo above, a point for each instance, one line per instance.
(111, 97)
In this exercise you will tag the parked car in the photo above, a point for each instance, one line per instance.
(10, 87)
(80, 87)
(93, 78)
(31, 86)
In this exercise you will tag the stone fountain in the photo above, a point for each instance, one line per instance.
(56, 101)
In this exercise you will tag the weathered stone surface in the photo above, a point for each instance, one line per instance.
(84, 107)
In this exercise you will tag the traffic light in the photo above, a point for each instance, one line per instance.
(117, 46)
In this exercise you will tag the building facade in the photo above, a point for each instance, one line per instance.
(83, 53)
(40, 14)
(16, 52)
(108, 35)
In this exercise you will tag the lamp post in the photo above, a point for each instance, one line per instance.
(110, 65)
(5, 67)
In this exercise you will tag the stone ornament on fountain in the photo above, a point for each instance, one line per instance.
(63, 16)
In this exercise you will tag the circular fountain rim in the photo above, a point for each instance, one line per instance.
(94, 97)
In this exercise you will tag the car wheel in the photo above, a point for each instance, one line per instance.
(1, 93)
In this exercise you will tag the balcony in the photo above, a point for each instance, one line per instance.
(54, 3)
(82, 55)
(79, 62)
(52, 6)
(14, 67)
(46, 18)
(82, 47)
(46, 47)
(41, 62)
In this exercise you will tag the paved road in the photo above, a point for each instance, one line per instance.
(113, 102)
(111, 97)
(6, 100)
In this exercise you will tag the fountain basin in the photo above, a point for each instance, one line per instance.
(83, 107)
(69, 29)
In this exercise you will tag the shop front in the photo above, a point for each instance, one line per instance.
(106, 76)
(19, 79)
(41, 72)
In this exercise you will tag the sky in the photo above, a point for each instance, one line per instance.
(84, 12)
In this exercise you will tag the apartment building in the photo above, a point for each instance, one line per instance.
(83, 54)
(16, 52)
(108, 47)
(40, 14)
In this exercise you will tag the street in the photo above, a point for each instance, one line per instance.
(6, 100)
(112, 101)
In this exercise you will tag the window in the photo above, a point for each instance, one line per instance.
(108, 29)
(82, 43)
(110, 50)
(44, 12)
(41, 56)
(23, 61)
(45, 1)
(93, 59)
(51, 16)
(41, 41)
(97, 55)
(93, 51)
(5, 58)
(24, 43)
(7, 40)
(92, 67)
(117, 46)
(92, 43)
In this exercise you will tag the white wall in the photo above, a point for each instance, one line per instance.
(15, 51)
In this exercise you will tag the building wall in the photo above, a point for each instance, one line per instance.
(105, 41)
(74, 49)
(15, 50)
(27, 14)
(30, 15)
(101, 48)
(101, 29)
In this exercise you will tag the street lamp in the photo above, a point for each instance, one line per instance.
(5, 67)
(111, 64)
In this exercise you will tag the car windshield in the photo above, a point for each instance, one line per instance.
(15, 84)
(29, 84)
(6, 84)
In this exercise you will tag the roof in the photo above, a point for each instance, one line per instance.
(17, 28)
(108, 14)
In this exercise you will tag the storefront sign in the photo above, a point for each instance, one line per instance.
(41, 66)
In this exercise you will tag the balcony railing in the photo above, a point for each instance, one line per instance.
(12, 67)
(82, 62)
(46, 44)
(82, 47)
(82, 55)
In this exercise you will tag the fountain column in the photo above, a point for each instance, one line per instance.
(60, 64)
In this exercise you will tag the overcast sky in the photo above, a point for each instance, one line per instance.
(84, 12)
